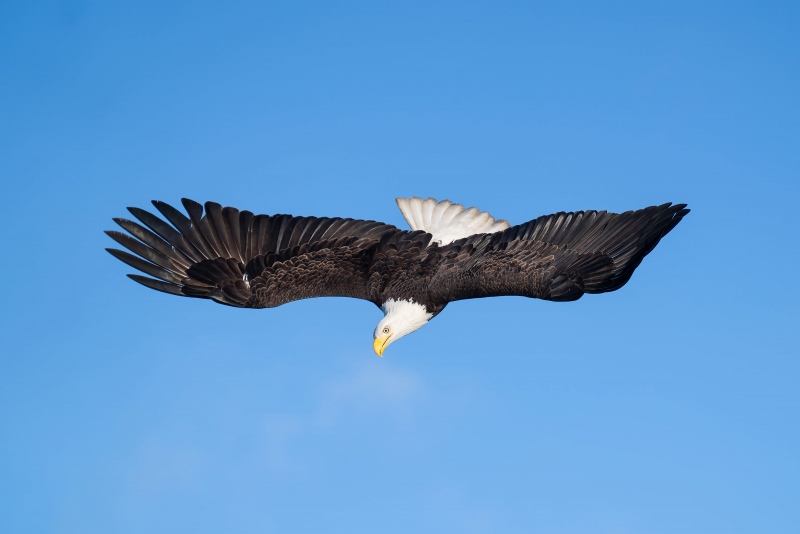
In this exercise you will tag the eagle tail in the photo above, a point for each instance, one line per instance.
(446, 221)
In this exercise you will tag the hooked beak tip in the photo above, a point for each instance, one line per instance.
(378, 346)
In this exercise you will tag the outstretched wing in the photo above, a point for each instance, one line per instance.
(556, 257)
(246, 260)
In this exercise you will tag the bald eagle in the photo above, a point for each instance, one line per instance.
(451, 253)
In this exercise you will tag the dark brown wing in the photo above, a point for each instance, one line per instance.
(246, 260)
(556, 257)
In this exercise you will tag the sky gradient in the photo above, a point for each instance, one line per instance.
(668, 406)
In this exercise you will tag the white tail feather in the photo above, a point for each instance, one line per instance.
(447, 222)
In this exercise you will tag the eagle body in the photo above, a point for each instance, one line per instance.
(451, 253)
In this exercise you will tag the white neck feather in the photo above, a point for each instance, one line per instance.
(404, 317)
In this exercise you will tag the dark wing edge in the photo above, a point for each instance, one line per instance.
(556, 257)
(215, 252)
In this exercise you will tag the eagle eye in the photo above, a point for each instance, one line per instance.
(386, 330)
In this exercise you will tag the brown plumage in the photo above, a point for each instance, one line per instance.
(261, 261)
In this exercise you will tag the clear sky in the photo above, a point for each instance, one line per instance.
(669, 406)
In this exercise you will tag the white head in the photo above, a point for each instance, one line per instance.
(401, 317)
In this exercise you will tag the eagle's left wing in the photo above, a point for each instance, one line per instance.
(558, 257)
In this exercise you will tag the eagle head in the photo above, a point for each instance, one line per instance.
(401, 317)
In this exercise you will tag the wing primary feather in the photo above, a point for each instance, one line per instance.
(144, 266)
(158, 285)
(245, 223)
(151, 255)
(186, 228)
(154, 241)
(231, 219)
(200, 225)
(220, 229)
(168, 233)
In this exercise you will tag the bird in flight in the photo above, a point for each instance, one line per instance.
(451, 253)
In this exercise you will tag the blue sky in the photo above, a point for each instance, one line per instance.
(668, 406)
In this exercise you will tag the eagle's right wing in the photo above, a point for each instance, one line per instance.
(240, 259)
(557, 257)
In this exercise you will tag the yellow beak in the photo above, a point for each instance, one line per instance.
(378, 345)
